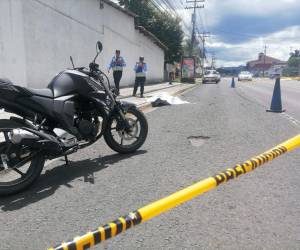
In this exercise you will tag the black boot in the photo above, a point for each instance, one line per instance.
(142, 90)
(135, 88)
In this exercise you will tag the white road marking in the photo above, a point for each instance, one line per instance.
(284, 115)
(291, 119)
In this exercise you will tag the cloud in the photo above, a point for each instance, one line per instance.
(240, 29)
(217, 9)
(278, 43)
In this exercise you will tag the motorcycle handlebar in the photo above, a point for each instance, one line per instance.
(94, 72)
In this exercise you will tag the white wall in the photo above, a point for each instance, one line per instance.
(38, 36)
(12, 47)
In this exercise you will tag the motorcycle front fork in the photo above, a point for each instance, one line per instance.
(124, 124)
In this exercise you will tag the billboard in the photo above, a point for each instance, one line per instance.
(188, 69)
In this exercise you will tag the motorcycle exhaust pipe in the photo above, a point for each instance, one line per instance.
(37, 140)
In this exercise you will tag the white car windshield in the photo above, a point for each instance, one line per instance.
(245, 73)
(210, 72)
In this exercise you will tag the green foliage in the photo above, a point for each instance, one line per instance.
(296, 53)
(196, 48)
(165, 27)
(293, 66)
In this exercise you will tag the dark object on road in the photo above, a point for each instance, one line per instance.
(232, 83)
(160, 102)
(276, 105)
(76, 109)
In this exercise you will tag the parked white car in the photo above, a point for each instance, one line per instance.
(211, 76)
(245, 76)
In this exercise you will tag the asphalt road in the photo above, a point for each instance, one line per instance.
(260, 210)
(261, 91)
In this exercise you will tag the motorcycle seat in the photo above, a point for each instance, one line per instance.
(41, 92)
(5, 81)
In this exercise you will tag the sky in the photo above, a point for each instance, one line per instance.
(239, 29)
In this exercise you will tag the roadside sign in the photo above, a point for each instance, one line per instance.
(188, 69)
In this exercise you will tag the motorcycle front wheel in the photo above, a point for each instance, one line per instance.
(124, 142)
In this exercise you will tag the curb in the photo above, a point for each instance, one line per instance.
(150, 91)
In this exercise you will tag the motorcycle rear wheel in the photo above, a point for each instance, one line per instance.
(14, 180)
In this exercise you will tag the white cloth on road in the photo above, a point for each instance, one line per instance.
(164, 98)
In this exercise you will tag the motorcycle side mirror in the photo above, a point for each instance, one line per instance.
(99, 47)
(71, 59)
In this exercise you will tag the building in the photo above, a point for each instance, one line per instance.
(264, 64)
(37, 38)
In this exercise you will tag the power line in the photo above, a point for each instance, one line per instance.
(184, 23)
(174, 8)
(160, 7)
(203, 36)
(168, 4)
(194, 7)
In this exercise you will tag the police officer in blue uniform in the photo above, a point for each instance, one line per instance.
(117, 64)
(140, 70)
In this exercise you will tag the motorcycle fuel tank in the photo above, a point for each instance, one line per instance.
(69, 82)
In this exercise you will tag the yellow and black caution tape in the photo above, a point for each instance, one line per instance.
(147, 212)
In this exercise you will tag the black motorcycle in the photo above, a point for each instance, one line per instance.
(76, 109)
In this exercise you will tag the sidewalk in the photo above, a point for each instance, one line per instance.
(150, 90)
(126, 94)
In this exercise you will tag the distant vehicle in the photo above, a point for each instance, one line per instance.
(211, 76)
(245, 76)
(274, 75)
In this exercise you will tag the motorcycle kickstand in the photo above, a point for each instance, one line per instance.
(67, 160)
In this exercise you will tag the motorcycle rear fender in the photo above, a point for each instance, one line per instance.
(11, 123)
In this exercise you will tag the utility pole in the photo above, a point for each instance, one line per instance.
(265, 54)
(194, 7)
(213, 61)
(203, 35)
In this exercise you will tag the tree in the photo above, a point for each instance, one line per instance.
(196, 48)
(296, 53)
(165, 27)
(293, 65)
